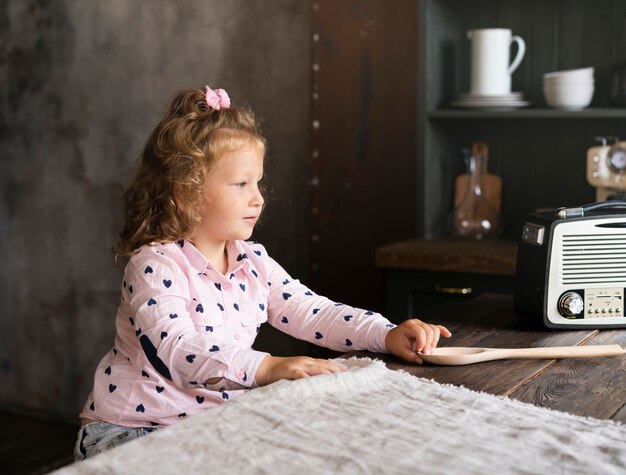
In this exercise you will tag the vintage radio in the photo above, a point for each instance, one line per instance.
(606, 169)
(571, 267)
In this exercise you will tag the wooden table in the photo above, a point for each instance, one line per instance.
(594, 387)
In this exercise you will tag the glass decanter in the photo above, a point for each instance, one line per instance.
(475, 217)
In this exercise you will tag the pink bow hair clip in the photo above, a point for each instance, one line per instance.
(217, 99)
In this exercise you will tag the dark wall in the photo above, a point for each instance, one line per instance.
(82, 84)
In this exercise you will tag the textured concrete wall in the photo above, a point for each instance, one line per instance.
(83, 82)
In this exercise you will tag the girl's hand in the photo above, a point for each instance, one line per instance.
(274, 368)
(412, 337)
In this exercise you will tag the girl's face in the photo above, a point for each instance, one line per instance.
(234, 201)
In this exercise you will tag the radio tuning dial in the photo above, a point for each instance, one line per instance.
(570, 304)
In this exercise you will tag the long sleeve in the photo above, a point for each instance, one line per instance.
(299, 312)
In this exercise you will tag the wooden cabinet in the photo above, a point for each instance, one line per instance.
(539, 152)
(426, 277)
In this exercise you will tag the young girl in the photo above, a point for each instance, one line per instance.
(195, 293)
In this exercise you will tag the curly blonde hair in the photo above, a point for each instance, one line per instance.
(165, 199)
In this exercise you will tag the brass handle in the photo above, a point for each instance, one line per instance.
(453, 290)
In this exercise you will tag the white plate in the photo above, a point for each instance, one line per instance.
(492, 105)
(512, 95)
(490, 101)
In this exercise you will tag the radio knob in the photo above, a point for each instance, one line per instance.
(570, 304)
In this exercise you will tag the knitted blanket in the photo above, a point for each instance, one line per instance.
(371, 420)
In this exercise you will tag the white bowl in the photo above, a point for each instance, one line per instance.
(571, 74)
(557, 81)
(568, 96)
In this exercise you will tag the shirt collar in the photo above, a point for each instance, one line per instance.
(236, 252)
(237, 257)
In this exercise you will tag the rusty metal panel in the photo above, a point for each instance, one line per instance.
(363, 141)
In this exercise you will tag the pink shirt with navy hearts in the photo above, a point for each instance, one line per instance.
(182, 323)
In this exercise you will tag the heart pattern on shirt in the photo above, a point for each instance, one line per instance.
(140, 408)
(218, 286)
(348, 342)
(347, 317)
(163, 335)
(107, 370)
(236, 306)
(148, 270)
(285, 320)
(199, 399)
(151, 302)
(160, 389)
(190, 358)
(262, 306)
(151, 353)
(242, 287)
(173, 315)
(199, 308)
(318, 336)
(214, 348)
(286, 295)
(167, 283)
(112, 387)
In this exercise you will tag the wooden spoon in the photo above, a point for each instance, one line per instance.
(459, 355)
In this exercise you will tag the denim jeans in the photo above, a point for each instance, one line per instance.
(97, 437)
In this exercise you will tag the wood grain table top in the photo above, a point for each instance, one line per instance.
(593, 387)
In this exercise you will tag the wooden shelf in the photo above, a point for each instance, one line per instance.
(492, 256)
(528, 113)
(539, 152)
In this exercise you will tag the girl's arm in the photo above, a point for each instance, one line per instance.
(297, 311)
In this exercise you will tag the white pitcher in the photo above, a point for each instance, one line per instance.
(491, 71)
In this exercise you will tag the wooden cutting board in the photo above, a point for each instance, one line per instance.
(491, 185)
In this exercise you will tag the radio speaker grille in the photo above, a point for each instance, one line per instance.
(593, 258)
